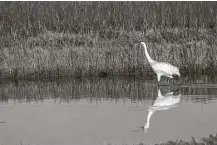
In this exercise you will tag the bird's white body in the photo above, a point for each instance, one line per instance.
(161, 68)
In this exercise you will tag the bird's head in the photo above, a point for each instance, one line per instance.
(176, 73)
(143, 44)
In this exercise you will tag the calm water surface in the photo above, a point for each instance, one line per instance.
(98, 111)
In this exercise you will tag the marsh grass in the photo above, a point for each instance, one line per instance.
(210, 140)
(30, 18)
(46, 39)
(65, 54)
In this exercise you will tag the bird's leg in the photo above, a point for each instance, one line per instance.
(158, 78)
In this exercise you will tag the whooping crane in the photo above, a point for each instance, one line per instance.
(161, 68)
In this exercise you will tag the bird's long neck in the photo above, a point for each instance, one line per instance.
(147, 55)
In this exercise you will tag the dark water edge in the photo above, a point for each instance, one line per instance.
(58, 74)
(107, 88)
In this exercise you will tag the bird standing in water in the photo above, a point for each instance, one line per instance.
(161, 68)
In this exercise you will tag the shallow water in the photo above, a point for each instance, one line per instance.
(99, 111)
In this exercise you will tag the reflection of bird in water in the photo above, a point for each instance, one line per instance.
(162, 102)
(161, 68)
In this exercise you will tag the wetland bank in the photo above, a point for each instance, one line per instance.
(83, 59)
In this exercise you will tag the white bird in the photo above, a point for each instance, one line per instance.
(161, 68)
(162, 102)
